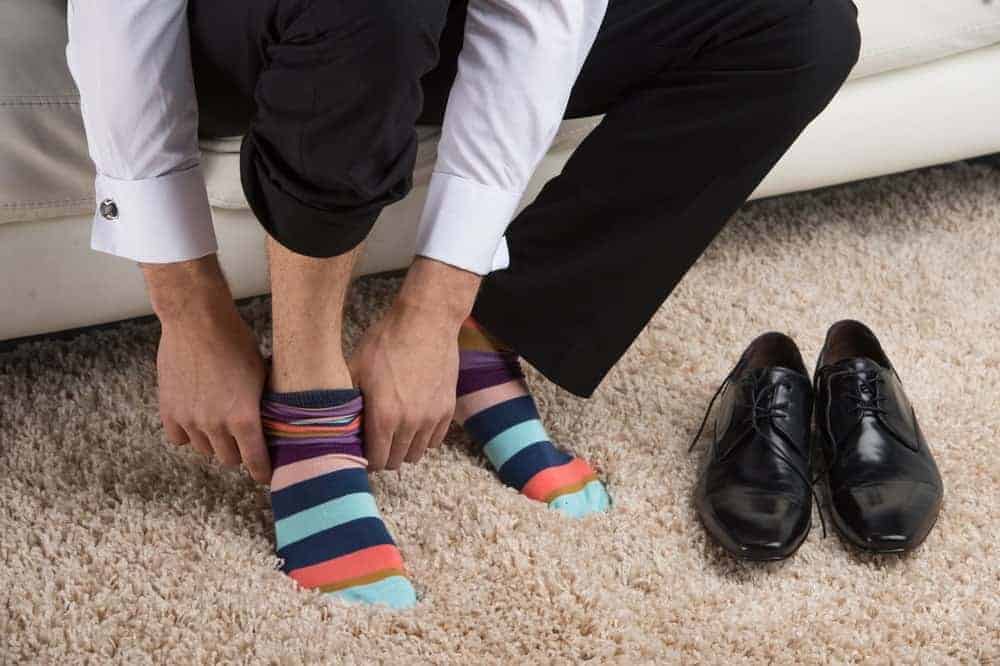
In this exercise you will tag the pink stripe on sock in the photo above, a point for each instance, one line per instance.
(303, 470)
(476, 401)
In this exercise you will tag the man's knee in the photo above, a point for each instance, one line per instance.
(333, 139)
(388, 42)
(826, 41)
(362, 67)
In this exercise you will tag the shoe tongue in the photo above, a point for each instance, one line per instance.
(774, 373)
(859, 364)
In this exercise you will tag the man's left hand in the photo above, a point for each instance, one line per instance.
(407, 364)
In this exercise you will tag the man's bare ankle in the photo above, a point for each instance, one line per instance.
(289, 378)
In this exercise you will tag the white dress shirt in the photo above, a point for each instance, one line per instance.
(132, 63)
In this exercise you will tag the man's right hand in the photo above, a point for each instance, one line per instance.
(210, 371)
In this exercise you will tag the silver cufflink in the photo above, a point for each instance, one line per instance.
(109, 210)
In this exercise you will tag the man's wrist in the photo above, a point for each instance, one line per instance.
(186, 288)
(439, 290)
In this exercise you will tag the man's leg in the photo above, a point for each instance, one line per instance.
(493, 403)
(307, 309)
(327, 527)
(329, 95)
(701, 99)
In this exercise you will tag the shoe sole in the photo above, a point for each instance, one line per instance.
(748, 555)
(845, 536)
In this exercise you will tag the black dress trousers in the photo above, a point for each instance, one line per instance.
(326, 96)
(700, 99)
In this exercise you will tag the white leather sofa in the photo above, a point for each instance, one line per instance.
(926, 91)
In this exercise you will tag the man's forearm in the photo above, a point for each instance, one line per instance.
(438, 290)
(186, 288)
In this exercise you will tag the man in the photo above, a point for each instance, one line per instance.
(700, 100)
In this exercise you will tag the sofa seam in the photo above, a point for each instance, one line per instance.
(48, 203)
(39, 101)
(937, 40)
(229, 204)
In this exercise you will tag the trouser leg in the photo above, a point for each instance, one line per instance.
(701, 99)
(326, 96)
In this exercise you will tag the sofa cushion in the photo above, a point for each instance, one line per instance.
(904, 33)
(44, 167)
(45, 171)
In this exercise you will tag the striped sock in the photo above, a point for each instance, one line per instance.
(327, 527)
(497, 411)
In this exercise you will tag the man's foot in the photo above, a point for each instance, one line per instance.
(327, 527)
(497, 412)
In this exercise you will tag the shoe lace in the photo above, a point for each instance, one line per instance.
(762, 410)
(868, 398)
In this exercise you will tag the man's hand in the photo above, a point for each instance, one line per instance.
(211, 374)
(407, 364)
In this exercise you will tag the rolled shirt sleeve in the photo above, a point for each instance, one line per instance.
(131, 61)
(516, 70)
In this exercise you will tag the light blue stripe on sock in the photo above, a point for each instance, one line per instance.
(501, 448)
(592, 498)
(323, 516)
(394, 591)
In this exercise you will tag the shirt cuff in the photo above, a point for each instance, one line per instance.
(463, 223)
(154, 220)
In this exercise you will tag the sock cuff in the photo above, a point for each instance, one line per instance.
(309, 424)
(313, 399)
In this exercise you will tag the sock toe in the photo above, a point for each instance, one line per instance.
(394, 592)
(592, 498)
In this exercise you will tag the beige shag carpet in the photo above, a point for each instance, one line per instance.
(117, 548)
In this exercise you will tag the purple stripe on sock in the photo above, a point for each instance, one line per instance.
(344, 440)
(479, 370)
(285, 455)
(478, 360)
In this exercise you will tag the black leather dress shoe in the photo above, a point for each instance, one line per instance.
(884, 487)
(754, 494)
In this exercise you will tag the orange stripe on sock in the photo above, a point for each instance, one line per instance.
(282, 427)
(572, 488)
(362, 580)
(346, 567)
(549, 483)
(473, 337)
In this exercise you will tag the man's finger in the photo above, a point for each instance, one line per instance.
(224, 446)
(174, 432)
(437, 438)
(199, 442)
(402, 440)
(378, 441)
(253, 450)
(418, 445)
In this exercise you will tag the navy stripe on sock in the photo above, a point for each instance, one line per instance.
(529, 461)
(317, 490)
(334, 542)
(314, 399)
(489, 423)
